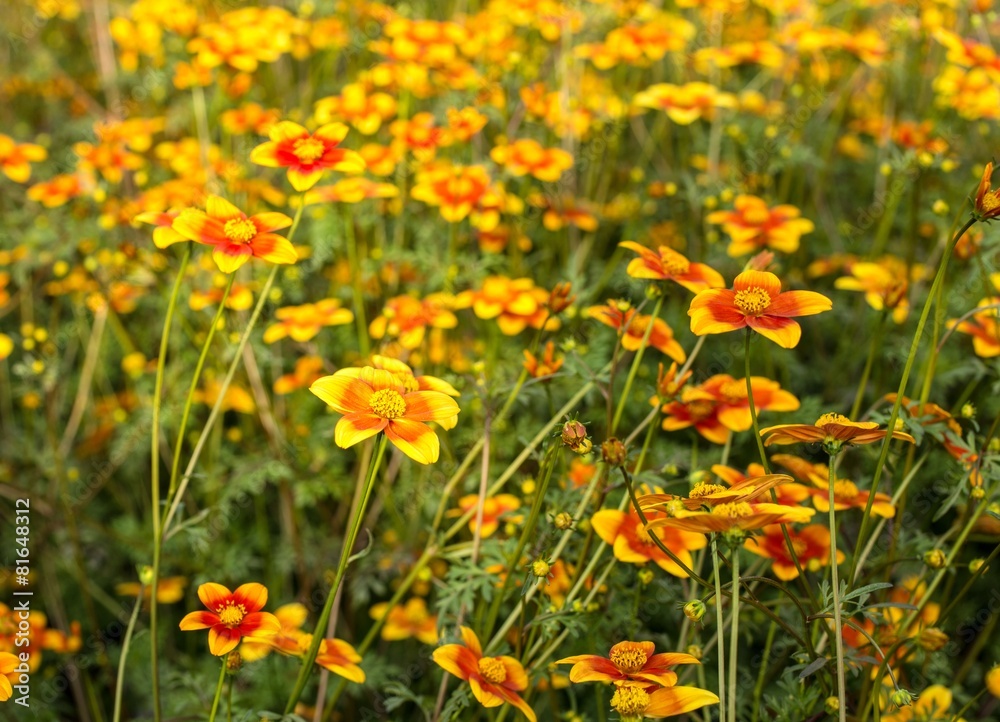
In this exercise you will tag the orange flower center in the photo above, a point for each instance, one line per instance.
(674, 264)
(845, 490)
(630, 701)
(752, 301)
(231, 614)
(308, 149)
(387, 403)
(699, 410)
(493, 670)
(735, 510)
(734, 392)
(628, 658)
(239, 230)
(832, 419)
(702, 490)
(800, 547)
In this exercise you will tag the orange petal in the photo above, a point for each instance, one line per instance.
(713, 311)
(267, 222)
(213, 595)
(455, 659)
(429, 406)
(343, 394)
(783, 331)
(414, 439)
(231, 256)
(274, 249)
(799, 303)
(221, 209)
(222, 640)
(353, 428)
(758, 279)
(198, 620)
(252, 596)
(671, 701)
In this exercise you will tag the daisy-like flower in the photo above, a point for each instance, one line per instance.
(705, 494)
(635, 704)
(307, 155)
(494, 507)
(407, 318)
(375, 401)
(666, 264)
(632, 544)
(410, 620)
(846, 494)
(16, 158)
(307, 370)
(756, 300)
(684, 104)
(621, 316)
(526, 156)
(628, 664)
(811, 545)
(232, 616)
(235, 236)
(831, 430)
(164, 234)
(752, 226)
(986, 205)
(302, 323)
(735, 516)
(494, 680)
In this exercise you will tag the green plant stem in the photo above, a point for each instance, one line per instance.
(126, 645)
(968, 585)
(838, 631)
(155, 476)
(872, 350)
(719, 624)
(345, 555)
(734, 634)
(359, 299)
(636, 363)
(218, 690)
(901, 391)
(758, 689)
(967, 706)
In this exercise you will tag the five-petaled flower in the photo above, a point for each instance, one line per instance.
(307, 155)
(629, 664)
(755, 301)
(232, 616)
(236, 236)
(494, 680)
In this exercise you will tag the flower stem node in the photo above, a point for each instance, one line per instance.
(935, 558)
(613, 452)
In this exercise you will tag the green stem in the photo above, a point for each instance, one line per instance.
(359, 299)
(126, 644)
(719, 624)
(155, 477)
(218, 689)
(872, 350)
(636, 363)
(345, 555)
(734, 632)
(838, 631)
(758, 689)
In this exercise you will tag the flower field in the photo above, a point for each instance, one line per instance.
(491, 360)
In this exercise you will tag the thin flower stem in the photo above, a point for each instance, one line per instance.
(636, 363)
(218, 690)
(719, 622)
(359, 299)
(155, 476)
(758, 690)
(968, 705)
(872, 350)
(901, 391)
(345, 555)
(968, 585)
(734, 633)
(838, 631)
(126, 645)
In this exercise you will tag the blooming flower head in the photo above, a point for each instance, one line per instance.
(832, 430)
(409, 381)
(515, 303)
(16, 158)
(407, 318)
(756, 301)
(235, 236)
(231, 616)
(307, 155)
(811, 544)
(707, 495)
(666, 264)
(355, 105)
(885, 284)
(307, 369)
(302, 323)
(751, 226)
(684, 104)
(528, 157)
(494, 507)
(735, 516)
(633, 325)
(455, 190)
(494, 680)
(986, 205)
(410, 620)
(375, 401)
(635, 704)
(632, 544)
(629, 664)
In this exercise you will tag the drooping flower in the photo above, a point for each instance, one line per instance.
(756, 300)
(375, 401)
(752, 226)
(307, 155)
(494, 680)
(410, 620)
(232, 616)
(830, 429)
(235, 236)
(545, 365)
(811, 544)
(666, 264)
(633, 325)
(302, 323)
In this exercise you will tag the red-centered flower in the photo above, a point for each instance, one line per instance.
(232, 616)
(236, 236)
(811, 545)
(756, 300)
(164, 234)
(494, 680)
(987, 201)
(628, 664)
(307, 155)
(666, 264)
(375, 401)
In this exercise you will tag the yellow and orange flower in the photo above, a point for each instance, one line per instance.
(494, 680)
(411, 620)
(168, 591)
(632, 326)
(756, 301)
(631, 664)
(407, 318)
(16, 158)
(986, 205)
(494, 507)
(232, 616)
(983, 326)
(666, 264)
(885, 284)
(846, 493)
(350, 190)
(704, 494)
(286, 640)
(456, 191)
(811, 544)
(684, 104)
(339, 657)
(355, 105)
(753, 226)
(546, 365)
(377, 402)
(302, 323)
(236, 237)
(668, 384)
(8, 663)
(830, 429)
(933, 703)
(515, 303)
(307, 155)
(632, 544)
(741, 515)
(307, 370)
(528, 157)
(635, 703)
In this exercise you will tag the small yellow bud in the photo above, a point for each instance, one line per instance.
(695, 610)
(976, 564)
(902, 698)
(528, 486)
(940, 207)
(968, 410)
(646, 577)
(695, 650)
(993, 681)
(935, 558)
(540, 568)
(563, 521)
(832, 705)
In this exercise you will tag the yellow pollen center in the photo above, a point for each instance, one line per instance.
(991, 201)
(844, 490)
(628, 658)
(492, 670)
(734, 392)
(387, 403)
(308, 149)
(752, 301)
(630, 701)
(232, 614)
(705, 489)
(699, 410)
(674, 264)
(800, 547)
(735, 510)
(239, 230)
(832, 419)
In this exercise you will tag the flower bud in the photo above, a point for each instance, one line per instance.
(993, 681)
(146, 575)
(902, 698)
(832, 705)
(935, 558)
(976, 564)
(977, 493)
(574, 435)
(694, 650)
(695, 610)
(646, 577)
(540, 568)
(613, 452)
(560, 298)
(563, 521)
(932, 639)
(968, 410)
(233, 662)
